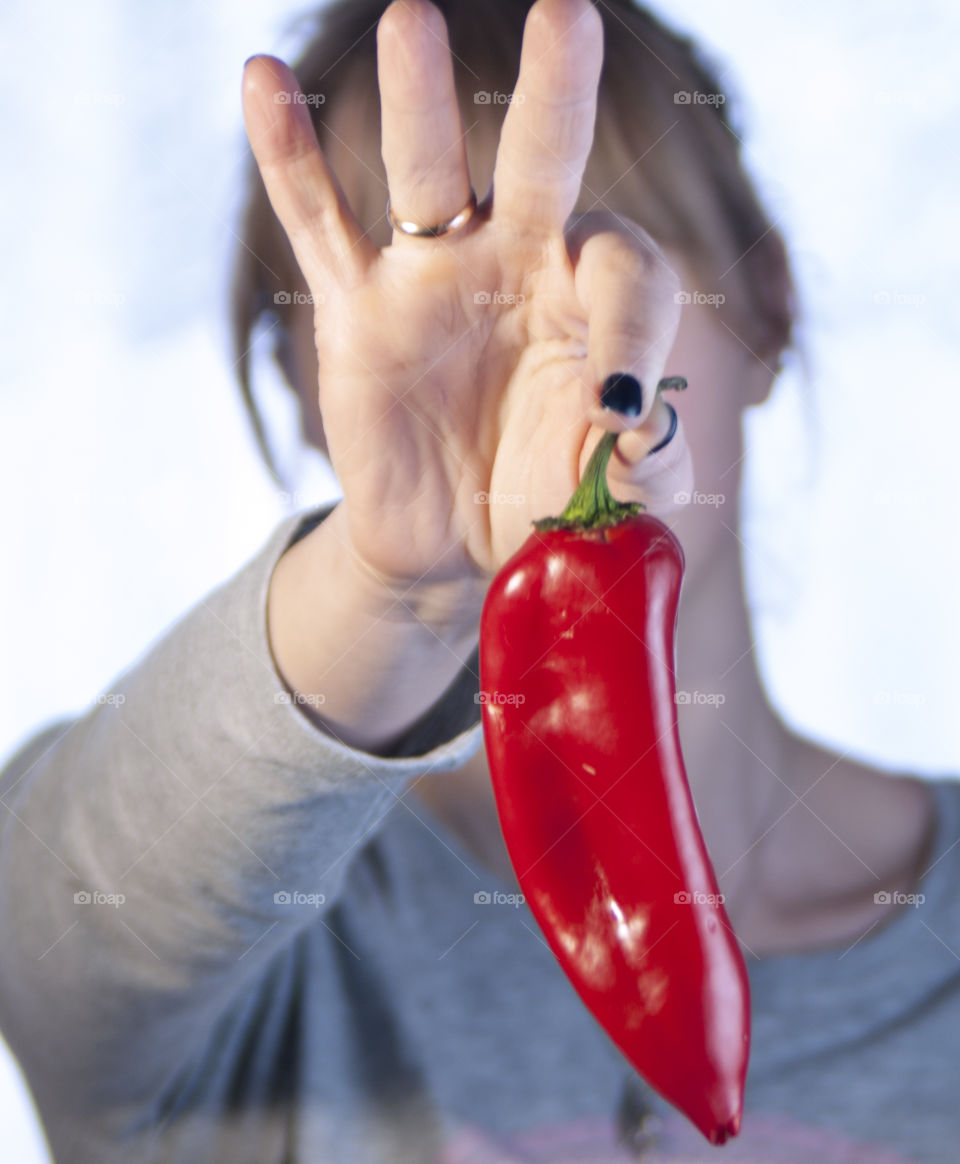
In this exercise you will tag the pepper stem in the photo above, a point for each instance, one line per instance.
(592, 505)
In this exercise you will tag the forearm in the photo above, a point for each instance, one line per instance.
(193, 802)
(364, 663)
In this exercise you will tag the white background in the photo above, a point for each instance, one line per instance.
(129, 483)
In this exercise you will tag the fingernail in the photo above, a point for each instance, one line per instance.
(622, 392)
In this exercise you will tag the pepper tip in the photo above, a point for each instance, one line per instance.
(723, 1132)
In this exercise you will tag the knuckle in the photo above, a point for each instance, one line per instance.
(633, 258)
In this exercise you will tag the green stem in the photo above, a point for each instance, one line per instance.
(592, 505)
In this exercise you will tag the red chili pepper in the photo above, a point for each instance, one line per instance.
(577, 673)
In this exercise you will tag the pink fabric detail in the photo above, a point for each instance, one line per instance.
(763, 1140)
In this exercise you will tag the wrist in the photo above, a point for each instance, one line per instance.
(380, 656)
(447, 609)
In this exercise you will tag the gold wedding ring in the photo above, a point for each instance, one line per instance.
(415, 230)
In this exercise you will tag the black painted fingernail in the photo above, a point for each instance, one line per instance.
(622, 392)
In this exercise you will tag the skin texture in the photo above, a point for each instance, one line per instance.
(496, 397)
(504, 399)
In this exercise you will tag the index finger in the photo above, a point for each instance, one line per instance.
(548, 130)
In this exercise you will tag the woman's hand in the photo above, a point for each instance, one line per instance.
(460, 377)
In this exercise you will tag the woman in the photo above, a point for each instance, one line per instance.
(286, 819)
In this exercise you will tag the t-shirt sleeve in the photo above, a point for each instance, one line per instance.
(157, 852)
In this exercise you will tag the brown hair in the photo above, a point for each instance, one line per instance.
(665, 154)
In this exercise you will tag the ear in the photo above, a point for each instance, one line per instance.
(758, 377)
(775, 305)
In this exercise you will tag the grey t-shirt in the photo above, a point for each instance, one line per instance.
(226, 937)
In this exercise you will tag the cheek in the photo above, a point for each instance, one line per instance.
(710, 410)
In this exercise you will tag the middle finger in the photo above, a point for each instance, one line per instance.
(422, 138)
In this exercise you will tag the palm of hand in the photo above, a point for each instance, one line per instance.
(459, 376)
(482, 430)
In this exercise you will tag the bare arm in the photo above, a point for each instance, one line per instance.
(364, 661)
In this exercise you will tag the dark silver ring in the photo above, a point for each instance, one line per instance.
(671, 431)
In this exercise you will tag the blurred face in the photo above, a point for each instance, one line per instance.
(724, 378)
